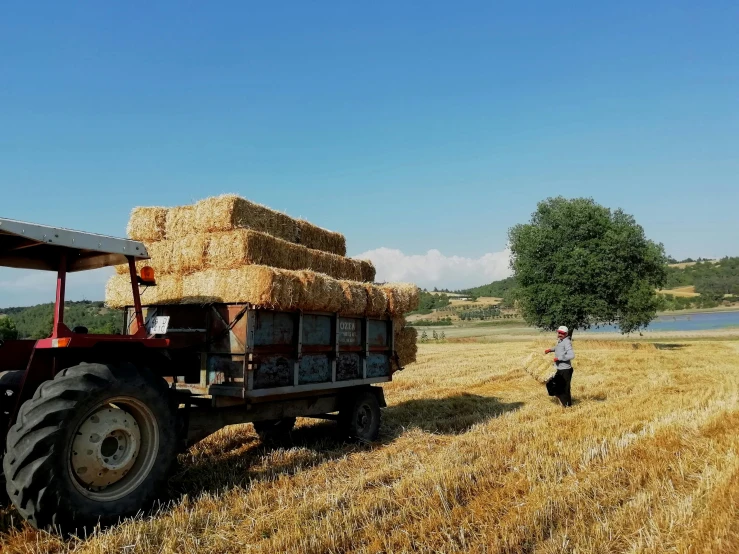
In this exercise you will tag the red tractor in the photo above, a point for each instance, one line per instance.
(92, 423)
(82, 416)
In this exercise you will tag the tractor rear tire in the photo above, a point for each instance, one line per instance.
(274, 429)
(92, 446)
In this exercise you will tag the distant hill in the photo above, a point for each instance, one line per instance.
(711, 283)
(35, 321)
(497, 289)
(710, 277)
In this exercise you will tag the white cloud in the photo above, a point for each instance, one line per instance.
(433, 269)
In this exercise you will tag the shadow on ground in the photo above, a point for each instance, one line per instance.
(451, 415)
(238, 458)
(669, 346)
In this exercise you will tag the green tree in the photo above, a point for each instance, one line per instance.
(580, 264)
(7, 328)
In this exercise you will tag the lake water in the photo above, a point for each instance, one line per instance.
(687, 322)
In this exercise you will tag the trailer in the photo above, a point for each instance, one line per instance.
(91, 424)
(236, 363)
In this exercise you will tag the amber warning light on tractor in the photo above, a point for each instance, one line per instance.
(147, 276)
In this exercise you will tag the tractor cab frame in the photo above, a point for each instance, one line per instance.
(26, 363)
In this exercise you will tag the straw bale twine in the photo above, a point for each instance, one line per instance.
(118, 293)
(402, 297)
(147, 223)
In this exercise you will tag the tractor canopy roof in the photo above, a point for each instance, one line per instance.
(32, 246)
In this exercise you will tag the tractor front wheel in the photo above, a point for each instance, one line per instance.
(92, 446)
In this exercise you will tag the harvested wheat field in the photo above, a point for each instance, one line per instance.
(685, 292)
(474, 457)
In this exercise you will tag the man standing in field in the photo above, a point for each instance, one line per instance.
(563, 355)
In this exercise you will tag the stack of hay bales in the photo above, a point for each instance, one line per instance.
(406, 342)
(228, 249)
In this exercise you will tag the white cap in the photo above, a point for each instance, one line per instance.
(563, 329)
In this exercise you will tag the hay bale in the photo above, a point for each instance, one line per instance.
(159, 261)
(118, 292)
(315, 237)
(229, 212)
(181, 256)
(262, 286)
(368, 271)
(233, 249)
(406, 345)
(188, 254)
(399, 323)
(320, 293)
(377, 302)
(265, 287)
(180, 222)
(147, 223)
(540, 367)
(354, 298)
(269, 287)
(401, 297)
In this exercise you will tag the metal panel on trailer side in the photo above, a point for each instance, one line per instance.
(315, 351)
(238, 351)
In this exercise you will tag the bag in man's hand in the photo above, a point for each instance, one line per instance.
(556, 385)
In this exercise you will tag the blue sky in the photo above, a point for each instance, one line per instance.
(408, 126)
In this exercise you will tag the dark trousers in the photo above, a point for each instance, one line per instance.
(565, 398)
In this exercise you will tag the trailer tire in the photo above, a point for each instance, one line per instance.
(359, 417)
(273, 429)
(115, 418)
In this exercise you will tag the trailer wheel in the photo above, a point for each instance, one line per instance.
(274, 428)
(93, 445)
(359, 418)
